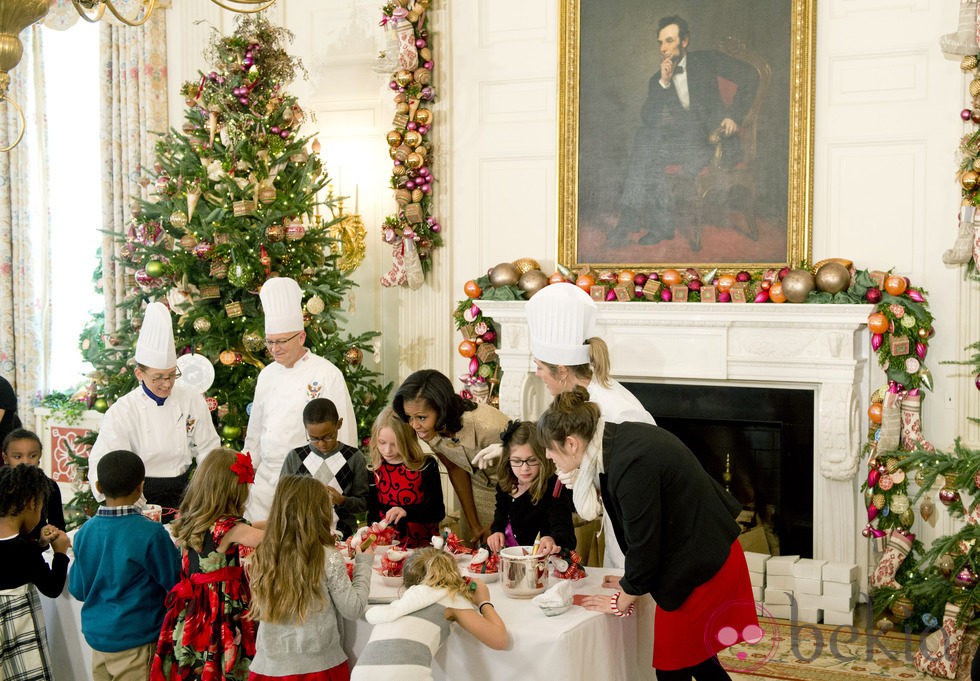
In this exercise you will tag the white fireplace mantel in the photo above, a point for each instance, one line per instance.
(823, 348)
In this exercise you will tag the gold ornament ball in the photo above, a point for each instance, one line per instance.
(525, 265)
(423, 117)
(398, 171)
(531, 282)
(253, 340)
(413, 138)
(267, 194)
(832, 278)
(907, 518)
(315, 305)
(417, 195)
(202, 324)
(504, 274)
(414, 160)
(295, 231)
(403, 77)
(275, 232)
(188, 242)
(976, 164)
(969, 179)
(975, 87)
(902, 608)
(354, 356)
(178, 219)
(946, 564)
(797, 285)
(969, 62)
(394, 138)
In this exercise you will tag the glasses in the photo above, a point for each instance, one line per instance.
(520, 463)
(169, 378)
(325, 438)
(280, 343)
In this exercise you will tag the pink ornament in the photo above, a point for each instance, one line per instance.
(474, 365)
(419, 43)
(410, 185)
(915, 295)
(876, 533)
(873, 476)
(640, 279)
(466, 394)
(921, 349)
(783, 272)
(694, 285)
(977, 382)
(426, 188)
(876, 340)
(475, 311)
(436, 227)
(948, 496)
(654, 276)
(637, 291)
(743, 276)
(611, 296)
(966, 114)
(866, 532)
(490, 336)
(761, 297)
(872, 512)
(873, 295)
(428, 65)
(724, 297)
(665, 295)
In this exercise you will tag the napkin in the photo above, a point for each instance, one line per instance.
(555, 597)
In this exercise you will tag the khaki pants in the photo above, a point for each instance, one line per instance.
(132, 664)
(589, 544)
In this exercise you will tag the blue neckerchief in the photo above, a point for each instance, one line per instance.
(149, 393)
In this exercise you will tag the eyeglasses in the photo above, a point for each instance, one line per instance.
(325, 438)
(520, 463)
(168, 378)
(280, 343)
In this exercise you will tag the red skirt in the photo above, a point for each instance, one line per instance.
(339, 673)
(717, 615)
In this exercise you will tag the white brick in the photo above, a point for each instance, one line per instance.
(756, 561)
(840, 572)
(783, 612)
(808, 586)
(758, 593)
(838, 618)
(781, 565)
(838, 603)
(757, 578)
(840, 590)
(809, 602)
(808, 568)
(776, 596)
(812, 615)
(785, 582)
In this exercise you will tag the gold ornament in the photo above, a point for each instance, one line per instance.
(354, 356)
(413, 160)
(413, 138)
(902, 608)
(315, 305)
(275, 232)
(178, 219)
(525, 265)
(423, 116)
(797, 285)
(394, 138)
(531, 282)
(253, 340)
(975, 87)
(349, 234)
(946, 564)
(267, 194)
(398, 171)
(878, 500)
(832, 278)
(504, 274)
(202, 324)
(969, 62)
(403, 77)
(188, 242)
(976, 164)
(969, 179)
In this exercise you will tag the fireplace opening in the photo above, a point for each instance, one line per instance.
(758, 443)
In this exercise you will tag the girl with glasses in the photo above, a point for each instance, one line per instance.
(526, 505)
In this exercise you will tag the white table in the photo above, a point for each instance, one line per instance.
(578, 644)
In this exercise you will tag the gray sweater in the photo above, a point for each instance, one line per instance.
(315, 644)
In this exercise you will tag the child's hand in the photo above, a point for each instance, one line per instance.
(547, 546)
(336, 498)
(48, 532)
(394, 514)
(60, 542)
(482, 592)
(496, 541)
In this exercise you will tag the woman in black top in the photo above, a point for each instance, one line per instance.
(526, 505)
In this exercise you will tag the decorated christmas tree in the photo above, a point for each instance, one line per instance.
(237, 200)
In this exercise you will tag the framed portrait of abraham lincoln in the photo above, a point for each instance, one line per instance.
(686, 132)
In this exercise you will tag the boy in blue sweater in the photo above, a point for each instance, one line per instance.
(124, 566)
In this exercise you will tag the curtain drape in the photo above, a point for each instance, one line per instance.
(134, 107)
(22, 319)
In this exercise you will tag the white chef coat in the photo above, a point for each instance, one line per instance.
(617, 405)
(275, 425)
(167, 437)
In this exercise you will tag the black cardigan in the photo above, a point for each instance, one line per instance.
(675, 523)
(551, 517)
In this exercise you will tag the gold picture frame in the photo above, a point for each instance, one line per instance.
(764, 217)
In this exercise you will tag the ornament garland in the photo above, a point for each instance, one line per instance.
(413, 232)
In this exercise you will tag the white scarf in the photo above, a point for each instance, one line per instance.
(585, 493)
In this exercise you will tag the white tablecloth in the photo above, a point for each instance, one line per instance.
(578, 644)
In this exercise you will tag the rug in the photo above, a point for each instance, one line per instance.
(797, 651)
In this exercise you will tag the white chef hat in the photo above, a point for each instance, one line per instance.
(282, 302)
(155, 345)
(561, 318)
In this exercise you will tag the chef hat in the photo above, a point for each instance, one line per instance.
(282, 302)
(561, 318)
(155, 345)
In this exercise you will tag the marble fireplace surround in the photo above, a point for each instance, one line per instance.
(823, 348)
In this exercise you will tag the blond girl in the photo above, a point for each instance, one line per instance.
(300, 584)
(408, 632)
(406, 489)
(206, 633)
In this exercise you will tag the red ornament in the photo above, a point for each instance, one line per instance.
(948, 496)
(872, 512)
(876, 340)
(873, 295)
(873, 476)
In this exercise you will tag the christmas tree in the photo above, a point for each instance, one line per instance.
(236, 202)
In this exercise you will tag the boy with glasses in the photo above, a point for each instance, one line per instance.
(168, 425)
(334, 463)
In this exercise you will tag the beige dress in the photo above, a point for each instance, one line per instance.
(481, 428)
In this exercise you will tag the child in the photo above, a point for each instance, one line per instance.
(24, 650)
(206, 632)
(337, 465)
(526, 505)
(300, 586)
(407, 487)
(24, 447)
(417, 624)
(124, 566)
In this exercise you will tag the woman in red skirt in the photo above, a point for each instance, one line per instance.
(676, 526)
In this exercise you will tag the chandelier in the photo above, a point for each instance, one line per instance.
(16, 15)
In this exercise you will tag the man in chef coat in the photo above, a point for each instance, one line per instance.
(167, 424)
(275, 425)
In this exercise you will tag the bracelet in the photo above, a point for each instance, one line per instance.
(614, 605)
(483, 604)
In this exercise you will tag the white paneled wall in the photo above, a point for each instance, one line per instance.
(887, 128)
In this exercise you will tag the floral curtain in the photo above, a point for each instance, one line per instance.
(22, 319)
(134, 106)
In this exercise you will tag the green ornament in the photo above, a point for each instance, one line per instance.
(155, 269)
(908, 321)
(241, 274)
(101, 405)
(485, 371)
(230, 432)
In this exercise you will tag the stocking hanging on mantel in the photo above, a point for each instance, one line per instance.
(966, 237)
(964, 40)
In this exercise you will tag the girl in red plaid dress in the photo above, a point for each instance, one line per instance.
(206, 633)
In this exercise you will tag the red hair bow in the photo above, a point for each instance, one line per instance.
(243, 468)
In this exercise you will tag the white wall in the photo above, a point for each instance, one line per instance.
(887, 128)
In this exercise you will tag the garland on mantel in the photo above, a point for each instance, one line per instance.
(412, 231)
